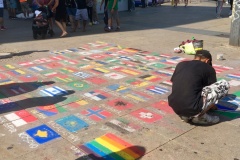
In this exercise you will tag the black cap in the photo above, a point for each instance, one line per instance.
(204, 54)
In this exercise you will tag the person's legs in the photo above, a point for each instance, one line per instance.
(89, 11)
(62, 27)
(219, 8)
(117, 20)
(1, 20)
(211, 94)
(84, 16)
(108, 29)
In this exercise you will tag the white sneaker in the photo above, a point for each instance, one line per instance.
(206, 119)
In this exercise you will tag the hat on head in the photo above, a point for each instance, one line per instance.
(37, 12)
(204, 54)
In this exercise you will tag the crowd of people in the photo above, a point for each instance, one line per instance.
(72, 11)
(63, 11)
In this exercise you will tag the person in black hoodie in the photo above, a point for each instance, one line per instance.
(195, 90)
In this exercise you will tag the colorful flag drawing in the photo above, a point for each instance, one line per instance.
(24, 64)
(112, 147)
(219, 68)
(51, 73)
(164, 73)
(114, 75)
(157, 89)
(72, 123)
(51, 110)
(42, 60)
(64, 78)
(6, 81)
(42, 134)
(139, 96)
(38, 68)
(67, 70)
(79, 85)
(119, 104)
(28, 78)
(234, 76)
(57, 58)
(167, 82)
(96, 114)
(2, 76)
(82, 74)
(169, 61)
(118, 88)
(146, 115)
(230, 102)
(54, 65)
(163, 106)
(150, 78)
(78, 104)
(143, 68)
(97, 95)
(130, 72)
(8, 66)
(53, 91)
(20, 118)
(122, 125)
(137, 83)
(69, 62)
(96, 80)
(156, 65)
(16, 72)
(100, 70)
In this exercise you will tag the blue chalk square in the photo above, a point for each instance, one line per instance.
(72, 123)
(42, 134)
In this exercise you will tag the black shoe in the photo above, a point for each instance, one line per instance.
(50, 32)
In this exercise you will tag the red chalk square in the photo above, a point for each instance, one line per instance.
(96, 80)
(2, 76)
(54, 65)
(146, 115)
(28, 78)
(163, 106)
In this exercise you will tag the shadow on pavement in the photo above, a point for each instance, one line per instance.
(139, 152)
(15, 89)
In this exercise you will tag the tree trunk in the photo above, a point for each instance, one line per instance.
(235, 25)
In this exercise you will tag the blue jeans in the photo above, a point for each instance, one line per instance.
(219, 7)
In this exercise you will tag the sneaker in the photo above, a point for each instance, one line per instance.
(117, 29)
(108, 29)
(185, 119)
(218, 17)
(95, 22)
(206, 119)
(90, 24)
(231, 16)
(3, 28)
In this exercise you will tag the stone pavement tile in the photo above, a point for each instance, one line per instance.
(15, 141)
(222, 140)
(173, 150)
(59, 150)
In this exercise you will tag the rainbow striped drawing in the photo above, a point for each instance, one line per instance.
(111, 147)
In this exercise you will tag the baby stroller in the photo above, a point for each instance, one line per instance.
(40, 25)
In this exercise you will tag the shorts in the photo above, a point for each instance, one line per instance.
(25, 7)
(13, 4)
(81, 14)
(71, 11)
(112, 15)
(211, 94)
(1, 12)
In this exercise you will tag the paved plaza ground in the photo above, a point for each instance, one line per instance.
(97, 95)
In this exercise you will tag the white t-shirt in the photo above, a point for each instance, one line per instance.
(1, 4)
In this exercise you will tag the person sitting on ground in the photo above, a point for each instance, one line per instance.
(195, 90)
